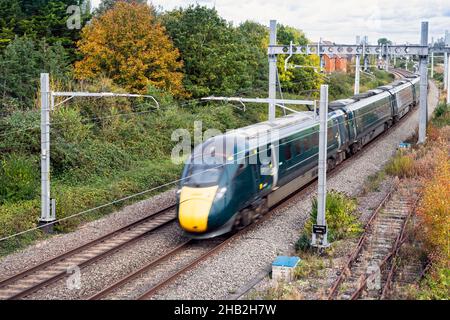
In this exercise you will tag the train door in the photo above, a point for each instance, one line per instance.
(267, 173)
(351, 125)
(244, 183)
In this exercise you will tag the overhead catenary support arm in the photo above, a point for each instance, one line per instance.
(260, 100)
(71, 95)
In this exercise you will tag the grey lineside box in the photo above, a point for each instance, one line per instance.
(283, 268)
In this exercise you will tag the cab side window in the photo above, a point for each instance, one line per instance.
(287, 152)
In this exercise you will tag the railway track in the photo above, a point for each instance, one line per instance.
(49, 271)
(369, 271)
(165, 269)
(400, 73)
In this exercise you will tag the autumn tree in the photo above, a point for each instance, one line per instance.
(129, 46)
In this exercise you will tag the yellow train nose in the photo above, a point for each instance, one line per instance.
(195, 205)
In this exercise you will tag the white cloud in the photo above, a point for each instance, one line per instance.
(336, 20)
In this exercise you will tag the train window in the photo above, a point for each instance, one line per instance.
(287, 152)
(298, 147)
(241, 168)
(306, 144)
(330, 135)
(315, 139)
(202, 175)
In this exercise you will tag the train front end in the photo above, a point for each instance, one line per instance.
(205, 196)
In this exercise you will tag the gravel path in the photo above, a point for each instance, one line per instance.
(220, 275)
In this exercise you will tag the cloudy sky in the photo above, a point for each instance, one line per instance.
(336, 20)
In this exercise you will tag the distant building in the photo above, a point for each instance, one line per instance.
(334, 62)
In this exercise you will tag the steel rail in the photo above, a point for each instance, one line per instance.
(48, 263)
(390, 256)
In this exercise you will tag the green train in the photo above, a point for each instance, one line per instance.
(232, 180)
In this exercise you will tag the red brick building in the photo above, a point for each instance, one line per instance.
(335, 63)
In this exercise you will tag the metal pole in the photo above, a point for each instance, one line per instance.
(272, 71)
(321, 62)
(46, 215)
(387, 59)
(320, 239)
(445, 69)
(432, 65)
(423, 85)
(357, 67)
(448, 83)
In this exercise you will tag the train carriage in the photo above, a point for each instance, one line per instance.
(231, 187)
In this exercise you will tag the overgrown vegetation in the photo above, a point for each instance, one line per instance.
(342, 221)
(430, 164)
(434, 208)
(400, 165)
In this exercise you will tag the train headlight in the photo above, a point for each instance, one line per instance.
(220, 193)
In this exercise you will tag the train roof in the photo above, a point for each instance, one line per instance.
(258, 133)
(364, 95)
(387, 87)
(376, 91)
(339, 104)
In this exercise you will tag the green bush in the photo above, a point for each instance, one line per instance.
(341, 219)
(19, 176)
(436, 286)
(401, 166)
(441, 109)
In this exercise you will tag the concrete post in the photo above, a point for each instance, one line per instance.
(320, 232)
(272, 71)
(423, 85)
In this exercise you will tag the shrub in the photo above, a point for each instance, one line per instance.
(400, 165)
(341, 220)
(434, 209)
(436, 286)
(19, 176)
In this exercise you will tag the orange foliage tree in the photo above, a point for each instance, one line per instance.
(434, 208)
(129, 46)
